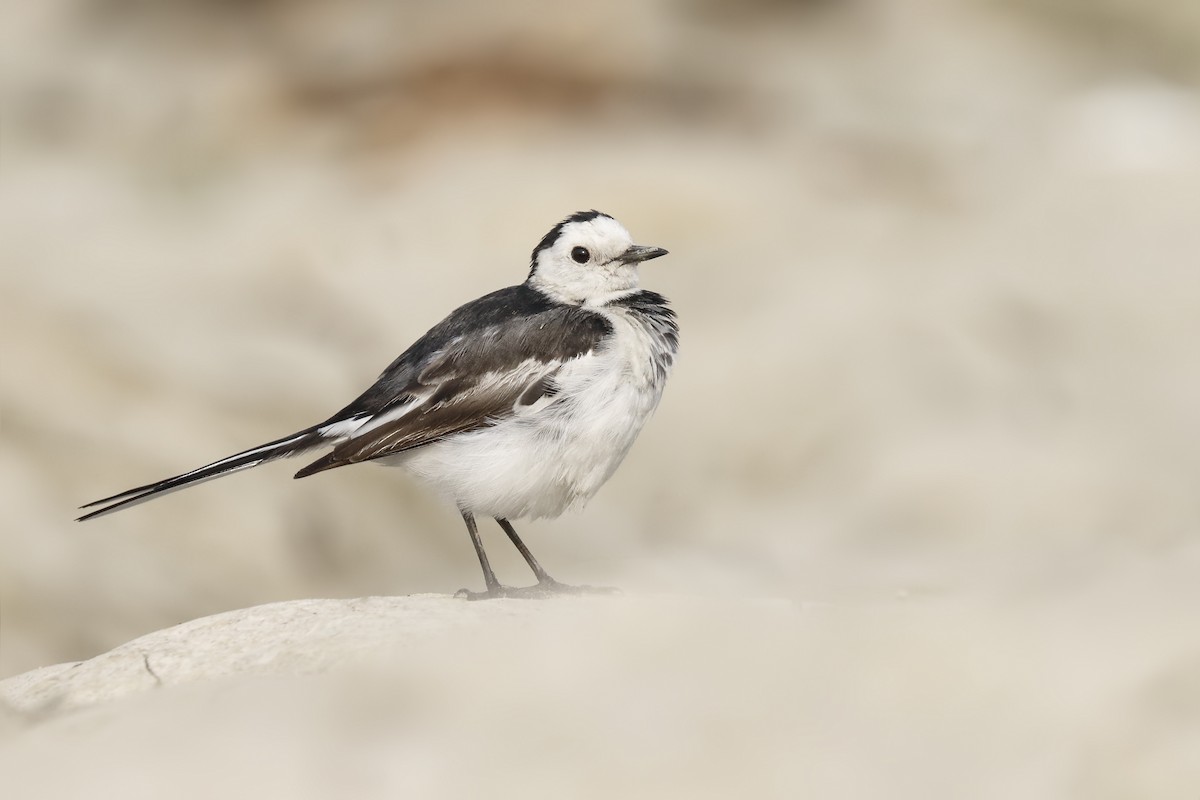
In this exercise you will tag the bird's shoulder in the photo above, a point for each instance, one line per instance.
(493, 333)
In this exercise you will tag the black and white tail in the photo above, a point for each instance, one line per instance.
(288, 446)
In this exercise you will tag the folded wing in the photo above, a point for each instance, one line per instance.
(474, 381)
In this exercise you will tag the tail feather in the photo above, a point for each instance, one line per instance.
(289, 445)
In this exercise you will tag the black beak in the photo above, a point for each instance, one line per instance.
(637, 253)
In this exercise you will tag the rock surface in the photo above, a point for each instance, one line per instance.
(629, 696)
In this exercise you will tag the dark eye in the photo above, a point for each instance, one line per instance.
(580, 254)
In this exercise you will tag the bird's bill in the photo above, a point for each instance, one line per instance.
(638, 253)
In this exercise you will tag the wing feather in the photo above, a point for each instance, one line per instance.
(473, 381)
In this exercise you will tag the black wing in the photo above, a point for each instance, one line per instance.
(480, 365)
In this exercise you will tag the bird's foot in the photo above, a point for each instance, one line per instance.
(542, 589)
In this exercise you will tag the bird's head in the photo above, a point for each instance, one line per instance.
(586, 259)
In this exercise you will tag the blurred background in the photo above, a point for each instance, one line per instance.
(935, 262)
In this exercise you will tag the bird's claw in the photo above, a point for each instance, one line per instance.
(541, 590)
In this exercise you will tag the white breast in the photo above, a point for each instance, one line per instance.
(555, 456)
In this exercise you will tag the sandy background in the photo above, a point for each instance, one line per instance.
(936, 265)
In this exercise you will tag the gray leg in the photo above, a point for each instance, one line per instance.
(489, 577)
(542, 576)
(546, 586)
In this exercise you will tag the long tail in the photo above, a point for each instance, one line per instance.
(289, 445)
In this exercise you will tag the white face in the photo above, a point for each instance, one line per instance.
(584, 264)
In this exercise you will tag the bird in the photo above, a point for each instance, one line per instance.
(520, 404)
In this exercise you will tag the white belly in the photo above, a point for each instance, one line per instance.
(551, 458)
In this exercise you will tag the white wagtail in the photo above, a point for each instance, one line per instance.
(519, 404)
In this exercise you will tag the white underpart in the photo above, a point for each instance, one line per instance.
(536, 407)
(554, 455)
